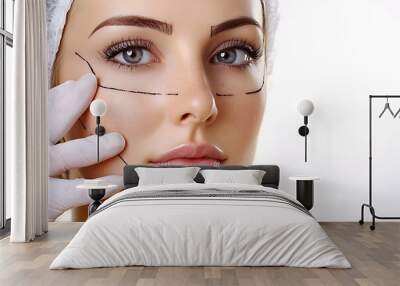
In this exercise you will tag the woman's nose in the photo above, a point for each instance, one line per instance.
(195, 103)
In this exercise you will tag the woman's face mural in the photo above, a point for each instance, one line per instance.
(183, 80)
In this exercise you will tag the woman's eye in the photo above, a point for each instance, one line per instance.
(232, 56)
(134, 56)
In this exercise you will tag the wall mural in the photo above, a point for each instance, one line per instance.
(178, 90)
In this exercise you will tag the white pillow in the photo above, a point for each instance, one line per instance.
(162, 176)
(248, 177)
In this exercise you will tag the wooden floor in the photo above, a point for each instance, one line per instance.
(375, 257)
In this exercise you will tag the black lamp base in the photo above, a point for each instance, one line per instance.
(304, 131)
(100, 130)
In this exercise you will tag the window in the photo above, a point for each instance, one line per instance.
(6, 44)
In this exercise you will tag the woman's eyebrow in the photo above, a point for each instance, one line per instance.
(137, 21)
(232, 24)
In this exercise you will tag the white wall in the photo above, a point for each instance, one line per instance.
(336, 53)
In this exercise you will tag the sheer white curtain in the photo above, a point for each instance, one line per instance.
(26, 119)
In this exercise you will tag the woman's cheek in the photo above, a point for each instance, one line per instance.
(239, 124)
(137, 118)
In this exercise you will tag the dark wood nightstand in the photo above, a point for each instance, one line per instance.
(305, 190)
(96, 191)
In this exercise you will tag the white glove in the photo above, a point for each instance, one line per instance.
(66, 103)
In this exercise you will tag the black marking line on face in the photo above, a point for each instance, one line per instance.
(119, 89)
(90, 66)
(248, 93)
(132, 91)
(84, 127)
(258, 90)
(122, 159)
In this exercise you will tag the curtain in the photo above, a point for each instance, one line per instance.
(26, 120)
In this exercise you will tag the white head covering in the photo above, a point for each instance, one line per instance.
(57, 11)
(272, 20)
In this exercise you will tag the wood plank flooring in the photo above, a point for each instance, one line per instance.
(375, 257)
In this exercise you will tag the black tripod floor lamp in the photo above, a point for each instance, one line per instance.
(370, 203)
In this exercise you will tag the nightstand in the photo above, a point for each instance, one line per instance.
(97, 190)
(305, 190)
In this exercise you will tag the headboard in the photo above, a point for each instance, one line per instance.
(270, 179)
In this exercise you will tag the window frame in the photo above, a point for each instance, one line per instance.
(6, 39)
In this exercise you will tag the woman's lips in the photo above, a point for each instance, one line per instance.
(192, 154)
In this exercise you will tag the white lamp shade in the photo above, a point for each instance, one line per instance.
(98, 107)
(305, 107)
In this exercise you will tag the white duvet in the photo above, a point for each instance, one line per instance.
(202, 231)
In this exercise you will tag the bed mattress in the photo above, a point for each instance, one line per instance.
(201, 225)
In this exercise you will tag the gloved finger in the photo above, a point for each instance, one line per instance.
(83, 152)
(64, 195)
(67, 102)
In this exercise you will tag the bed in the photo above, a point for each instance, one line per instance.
(199, 224)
